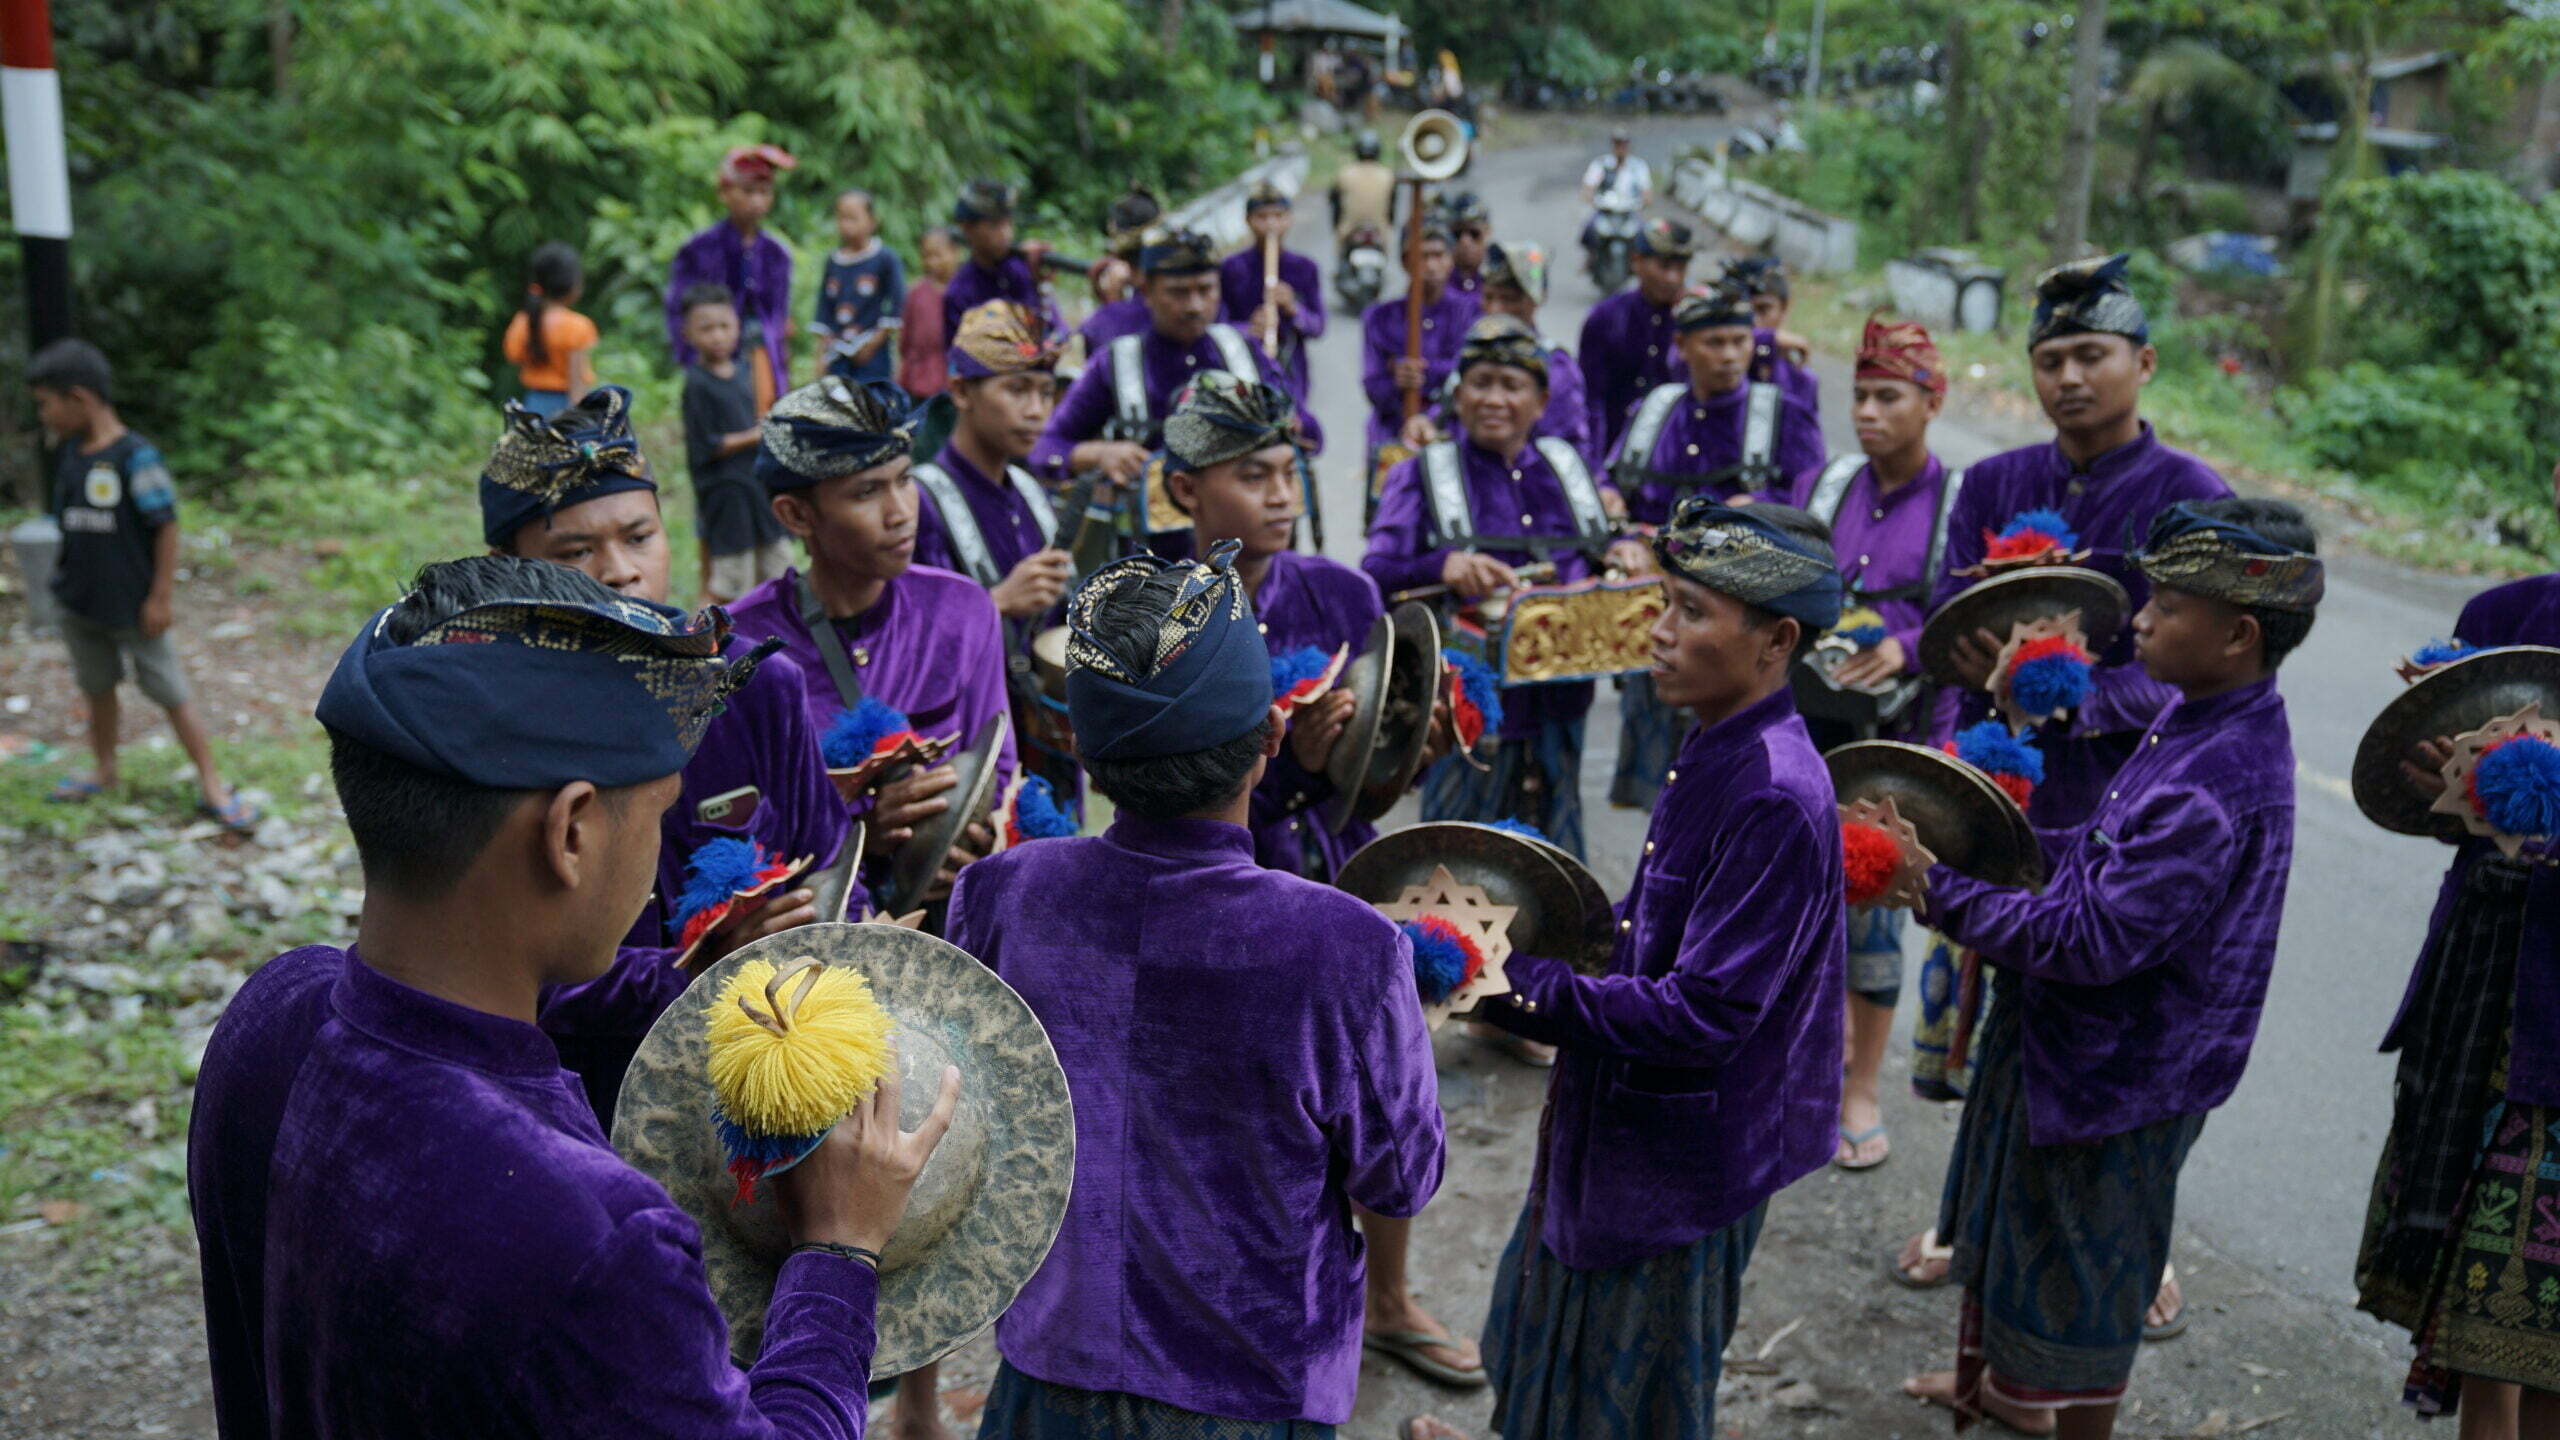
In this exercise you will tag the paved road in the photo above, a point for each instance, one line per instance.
(2280, 1176)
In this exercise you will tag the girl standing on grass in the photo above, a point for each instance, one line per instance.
(547, 341)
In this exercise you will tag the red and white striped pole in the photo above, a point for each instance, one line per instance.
(39, 175)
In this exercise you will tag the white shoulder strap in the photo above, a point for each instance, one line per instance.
(1760, 422)
(1590, 520)
(1129, 384)
(1645, 431)
(1036, 500)
(1938, 528)
(1234, 356)
(1833, 487)
(959, 522)
(1444, 484)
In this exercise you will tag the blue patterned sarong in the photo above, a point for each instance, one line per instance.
(1022, 1408)
(1536, 779)
(1649, 735)
(1629, 1353)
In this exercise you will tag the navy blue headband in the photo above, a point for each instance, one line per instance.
(1733, 550)
(1204, 680)
(541, 466)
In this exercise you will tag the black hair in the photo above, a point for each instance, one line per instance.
(1166, 787)
(68, 365)
(418, 832)
(551, 273)
(856, 192)
(1801, 525)
(947, 234)
(707, 292)
(2279, 631)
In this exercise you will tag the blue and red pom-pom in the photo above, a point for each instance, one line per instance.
(2012, 761)
(2028, 535)
(2048, 675)
(1303, 674)
(2516, 786)
(1519, 827)
(715, 876)
(1444, 958)
(1869, 857)
(1475, 702)
(871, 728)
(1035, 813)
(2441, 652)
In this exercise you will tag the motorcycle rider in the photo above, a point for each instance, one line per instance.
(1364, 193)
(1617, 181)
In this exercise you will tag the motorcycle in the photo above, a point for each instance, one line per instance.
(1608, 242)
(1360, 270)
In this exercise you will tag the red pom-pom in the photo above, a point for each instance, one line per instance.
(2017, 787)
(2024, 544)
(2042, 646)
(1869, 857)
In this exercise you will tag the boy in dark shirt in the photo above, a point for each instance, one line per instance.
(118, 573)
(742, 544)
(860, 296)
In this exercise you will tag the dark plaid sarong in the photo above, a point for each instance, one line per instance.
(2059, 1248)
(1630, 1353)
(2462, 1239)
(1535, 779)
(1022, 1408)
(1649, 735)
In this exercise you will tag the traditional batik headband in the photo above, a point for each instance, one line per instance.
(1464, 208)
(983, 200)
(1901, 350)
(834, 427)
(1503, 340)
(2088, 297)
(1705, 307)
(624, 690)
(545, 464)
(1267, 195)
(1435, 226)
(1738, 552)
(1522, 267)
(1176, 252)
(755, 162)
(2197, 552)
(1001, 337)
(1759, 274)
(1219, 416)
(1132, 212)
(1665, 239)
(1205, 679)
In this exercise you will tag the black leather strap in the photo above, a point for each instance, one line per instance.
(830, 643)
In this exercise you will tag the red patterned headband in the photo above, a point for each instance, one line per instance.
(1901, 350)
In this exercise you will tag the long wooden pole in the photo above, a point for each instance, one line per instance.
(1413, 292)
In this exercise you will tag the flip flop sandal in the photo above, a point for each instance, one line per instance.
(72, 790)
(1410, 1348)
(236, 815)
(2175, 1325)
(1505, 1043)
(1857, 1139)
(1929, 1250)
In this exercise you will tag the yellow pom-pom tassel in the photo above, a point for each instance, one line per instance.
(793, 1052)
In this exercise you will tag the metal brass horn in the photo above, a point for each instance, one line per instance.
(1434, 145)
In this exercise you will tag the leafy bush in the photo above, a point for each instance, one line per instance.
(2435, 433)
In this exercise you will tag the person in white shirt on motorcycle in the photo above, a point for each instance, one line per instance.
(1619, 182)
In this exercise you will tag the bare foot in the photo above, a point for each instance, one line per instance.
(1430, 1427)
(1924, 1262)
(2167, 1306)
(1405, 1314)
(1938, 1387)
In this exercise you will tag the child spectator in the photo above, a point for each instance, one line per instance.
(118, 571)
(923, 355)
(742, 544)
(860, 296)
(546, 340)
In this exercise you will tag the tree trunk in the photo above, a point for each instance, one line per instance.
(2346, 166)
(2080, 143)
(2145, 151)
(1169, 26)
(280, 46)
(1965, 155)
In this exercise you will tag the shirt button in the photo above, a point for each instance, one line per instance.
(1515, 474)
(1190, 359)
(2112, 794)
(1693, 449)
(1526, 521)
(1626, 924)
(1653, 349)
(1670, 775)
(1265, 629)
(1862, 560)
(1879, 512)
(1648, 847)
(2155, 739)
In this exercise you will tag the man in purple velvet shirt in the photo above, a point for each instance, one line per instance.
(410, 1222)
(864, 620)
(1470, 240)
(1246, 1047)
(996, 268)
(574, 490)
(1386, 375)
(1765, 278)
(1122, 310)
(755, 267)
(1296, 307)
(1628, 345)
(1701, 1075)
(2128, 989)
(1717, 431)
(1515, 284)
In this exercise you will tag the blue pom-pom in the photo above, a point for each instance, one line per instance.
(2048, 521)
(1439, 962)
(2519, 787)
(1480, 685)
(2443, 652)
(2049, 683)
(854, 733)
(1036, 813)
(1865, 637)
(1302, 664)
(1991, 749)
(717, 871)
(1519, 827)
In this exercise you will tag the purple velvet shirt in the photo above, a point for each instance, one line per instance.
(1520, 498)
(2109, 504)
(1568, 413)
(1240, 292)
(758, 277)
(1092, 401)
(1882, 543)
(973, 285)
(1004, 521)
(2143, 964)
(1249, 1060)
(1704, 436)
(461, 1251)
(1628, 347)
(1124, 316)
(1444, 329)
(1701, 1075)
(1796, 380)
(2521, 612)
(1308, 600)
(935, 649)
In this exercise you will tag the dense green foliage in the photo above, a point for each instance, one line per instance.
(308, 267)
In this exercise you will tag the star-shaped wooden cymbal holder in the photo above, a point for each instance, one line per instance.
(915, 753)
(1910, 883)
(1475, 915)
(2457, 801)
(2068, 625)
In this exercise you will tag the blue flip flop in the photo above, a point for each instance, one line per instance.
(73, 790)
(1860, 1138)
